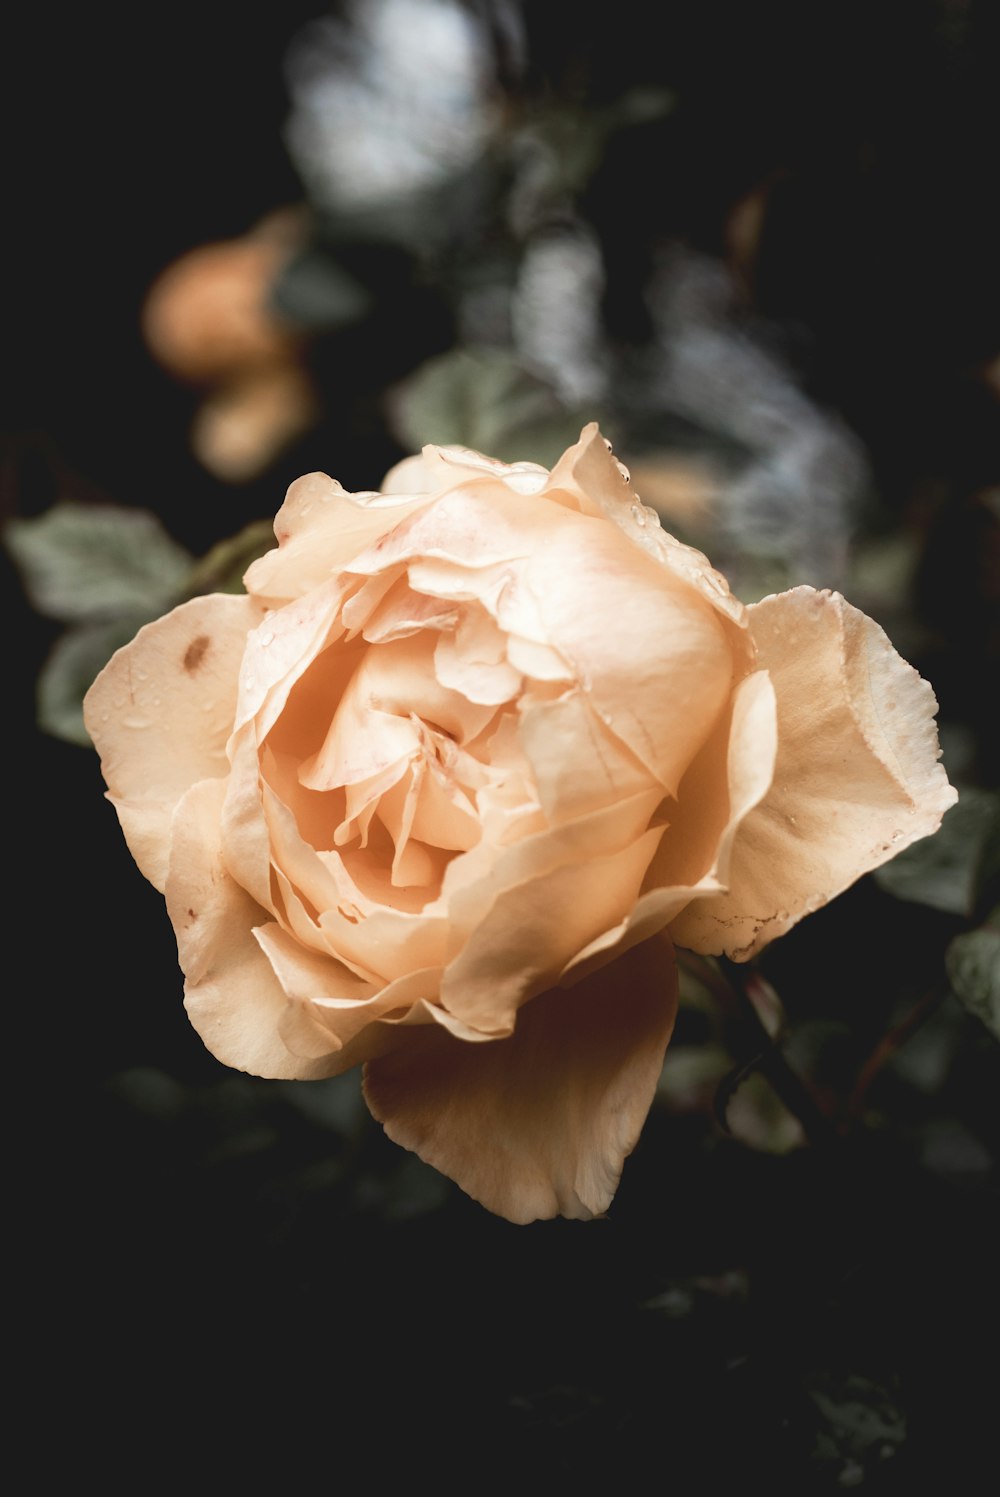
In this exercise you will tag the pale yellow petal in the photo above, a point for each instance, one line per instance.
(160, 714)
(538, 1124)
(855, 781)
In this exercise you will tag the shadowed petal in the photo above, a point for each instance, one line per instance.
(232, 995)
(538, 1124)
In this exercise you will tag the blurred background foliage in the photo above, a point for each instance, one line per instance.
(758, 242)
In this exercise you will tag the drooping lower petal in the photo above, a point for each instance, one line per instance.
(538, 1124)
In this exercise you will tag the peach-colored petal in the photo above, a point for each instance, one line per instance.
(320, 528)
(473, 881)
(325, 1014)
(538, 1124)
(731, 775)
(367, 934)
(523, 942)
(590, 477)
(476, 525)
(561, 735)
(232, 996)
(160, 714)
(856, 778)
(437, 469)
(654, 659)
(281, 650)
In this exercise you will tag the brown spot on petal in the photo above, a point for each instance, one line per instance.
(195, 653)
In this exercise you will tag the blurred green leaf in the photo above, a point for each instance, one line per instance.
(756, 1116)
(973, 965)
(862, 1424)
(945, 870)
(96, 561)
(485, 400)
(67, 674)
(691, 1076)
(221, 569)
(316, 292)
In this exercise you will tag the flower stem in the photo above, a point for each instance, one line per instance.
(762, 1053)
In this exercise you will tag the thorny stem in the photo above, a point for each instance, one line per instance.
(886, 1049)
(732, 984)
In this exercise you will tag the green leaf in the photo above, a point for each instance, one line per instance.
(75, 660)
(221, 569)
(945, 870)
(973, 965)
(317, 293)
(861, 1424)
(756, 1116)
(485, 400)
(96, 561)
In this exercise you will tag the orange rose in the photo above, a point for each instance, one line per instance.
(439, 792)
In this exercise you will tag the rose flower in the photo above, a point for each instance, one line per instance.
(440, 792)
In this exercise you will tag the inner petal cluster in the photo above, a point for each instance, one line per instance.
(398, 748)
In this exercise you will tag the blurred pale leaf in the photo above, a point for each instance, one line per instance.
(73, 662)
(487, 401)
(315, 292)
(881, 569)
(757, 1117)
(96, 561)
(973, 965)
(944, 871)
(691, 1076)
(334, 1104)
(861, 1424)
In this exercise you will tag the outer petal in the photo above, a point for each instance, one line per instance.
(731, 776)
(591, 478)
(856, 778)
(538, 1124)
(232, 996)
(160, 714)
(436, 469)
(320, 528)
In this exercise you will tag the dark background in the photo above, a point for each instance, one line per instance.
(229, 1278)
